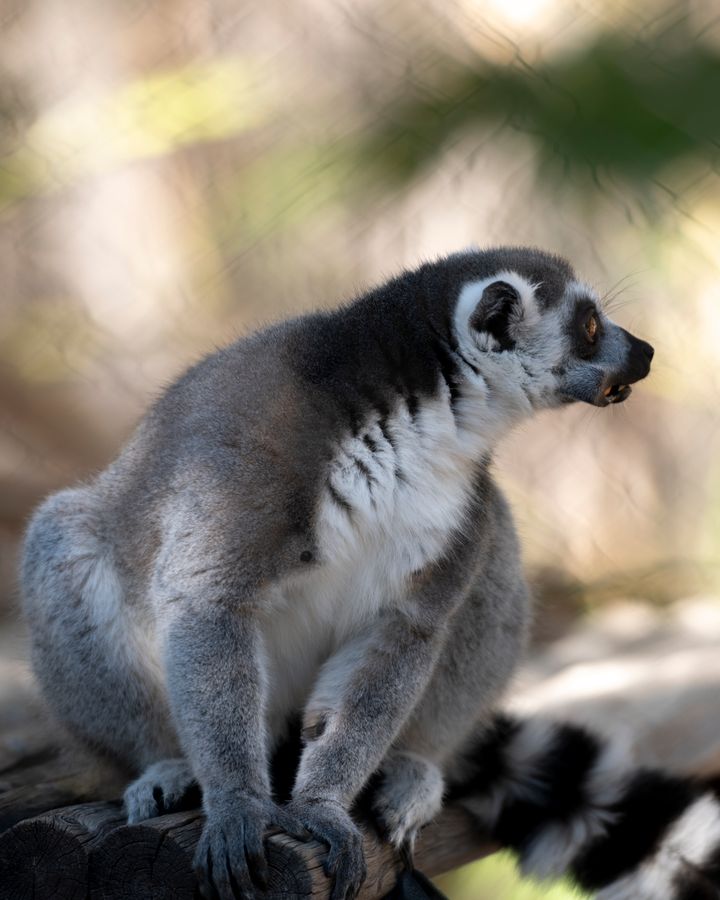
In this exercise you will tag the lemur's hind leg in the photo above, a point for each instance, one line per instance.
(408, 796)
(94, 656)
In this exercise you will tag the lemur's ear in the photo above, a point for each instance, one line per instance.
(499, 308)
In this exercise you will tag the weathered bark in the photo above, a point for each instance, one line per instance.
(153, 860)
(47, 856)
(28, 791)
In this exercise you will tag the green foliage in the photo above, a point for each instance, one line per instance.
(617, 105)
(150, 116)
(496, 878)
(630, 107)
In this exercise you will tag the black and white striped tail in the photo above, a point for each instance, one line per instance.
(569, 803)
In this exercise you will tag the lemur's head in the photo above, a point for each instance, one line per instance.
(522, 314)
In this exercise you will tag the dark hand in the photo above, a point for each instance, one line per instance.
(327, 821)
(230, 860)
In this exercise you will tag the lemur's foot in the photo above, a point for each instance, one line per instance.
(164, 787)
(408, 797)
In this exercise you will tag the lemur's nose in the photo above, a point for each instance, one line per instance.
(648, 351)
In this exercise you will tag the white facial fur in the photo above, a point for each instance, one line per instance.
(520, 381)
(470, 296)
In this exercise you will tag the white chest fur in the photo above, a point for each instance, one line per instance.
(394, 494)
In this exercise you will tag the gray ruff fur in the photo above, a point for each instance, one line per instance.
(306, 523)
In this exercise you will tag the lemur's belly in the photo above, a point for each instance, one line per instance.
(394, 493)
(310, 618)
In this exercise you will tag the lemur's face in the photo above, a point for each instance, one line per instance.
(533, 323)
(602, 359)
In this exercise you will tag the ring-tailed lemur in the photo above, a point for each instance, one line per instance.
(306, 522)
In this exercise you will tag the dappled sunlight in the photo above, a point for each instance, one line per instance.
(497, 878)
(96, 131)
(651, 675)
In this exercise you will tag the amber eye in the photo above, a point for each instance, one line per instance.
(591, 328)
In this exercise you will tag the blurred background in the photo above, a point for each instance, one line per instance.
(174, 173)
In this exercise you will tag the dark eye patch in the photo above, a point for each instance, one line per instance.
(584, 310)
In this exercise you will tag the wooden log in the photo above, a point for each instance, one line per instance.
(21, 803)
(153, 860)
(28, 791)
(47, 856)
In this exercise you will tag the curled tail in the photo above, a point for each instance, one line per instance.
(570, 804)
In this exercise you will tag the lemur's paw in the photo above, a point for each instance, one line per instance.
(164, 787)
(407, 798)
(327, 821)
(230, 862)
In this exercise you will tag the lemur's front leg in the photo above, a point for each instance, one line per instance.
(362, 698)
(216, 684)
(486, 641)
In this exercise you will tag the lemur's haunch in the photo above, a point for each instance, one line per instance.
(306, 523)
